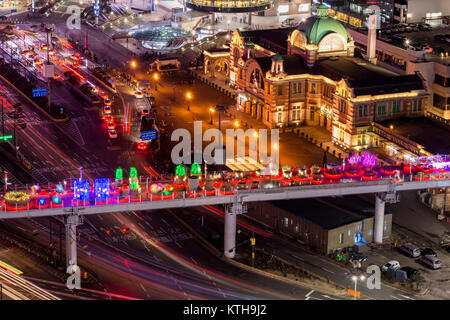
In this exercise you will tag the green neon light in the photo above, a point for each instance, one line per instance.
(180, 170)
(196, 168)
(133, 172)
(119, 174)
(7, 137)
(133, 185)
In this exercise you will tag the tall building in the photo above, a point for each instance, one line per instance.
(313, 78)
(410, 56)
(354, 12)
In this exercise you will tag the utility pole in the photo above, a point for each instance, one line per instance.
(48, 73)
(60, 245)
(3, 117)
(252, 243)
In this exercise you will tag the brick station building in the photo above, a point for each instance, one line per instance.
(309, 75)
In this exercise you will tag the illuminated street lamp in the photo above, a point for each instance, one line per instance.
(355, 279)
(211, 111)
(133, 64)
(236, 123)
(156, 77)
(255, 134)
(275, 146)
(189, 97)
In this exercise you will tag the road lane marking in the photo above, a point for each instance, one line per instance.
(401, 295)
(328, 297)
(326, 270)
(309, 293)
(395, 297)
(298, 257)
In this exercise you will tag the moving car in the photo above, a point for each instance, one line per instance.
(142, 146)
(410, 250)
(107, 109)
(110, 125)
(109, 118)
(139, 94)
(75, 66)
(431, 262)
(391, 264)
(107, 102)
(112, 134)
(410, 271)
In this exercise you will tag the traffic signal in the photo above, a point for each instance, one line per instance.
(252, 241)
(108, 232)
(124, 230)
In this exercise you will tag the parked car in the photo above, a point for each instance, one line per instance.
(427, 252)
(410, 271)
(430, 262)
(446, 247)
(391, 264)
(410, 250)
(399, 36)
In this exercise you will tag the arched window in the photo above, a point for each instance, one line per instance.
(332, 42)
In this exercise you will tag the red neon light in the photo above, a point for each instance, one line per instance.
(217, 183)
(193, 195)
(259, 178)
(369, 178)
(180, 186)
(349, 174)
(209, 193)
(333, 176)
(168, 197)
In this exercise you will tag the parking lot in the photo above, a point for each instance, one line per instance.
(437, 281)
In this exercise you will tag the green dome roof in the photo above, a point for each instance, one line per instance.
(318, 26)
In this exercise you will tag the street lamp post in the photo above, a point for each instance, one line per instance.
(49, 78)
(211, 111)
(189, 97)
(133, 65)
(156, 77)
(355, 279)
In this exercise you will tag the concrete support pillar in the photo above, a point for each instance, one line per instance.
(71, 222)
(229, 242)
(249, 18)
(378, 223)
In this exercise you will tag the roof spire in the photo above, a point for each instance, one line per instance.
(322, 11)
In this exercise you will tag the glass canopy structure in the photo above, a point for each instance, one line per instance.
(229, 6)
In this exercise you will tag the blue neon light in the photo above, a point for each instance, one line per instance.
(81, 189)
(41, 201)
(56, 199)
(101, 187)
(59, 188)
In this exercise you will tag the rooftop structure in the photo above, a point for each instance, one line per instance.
(423, 51)
(229, 6)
